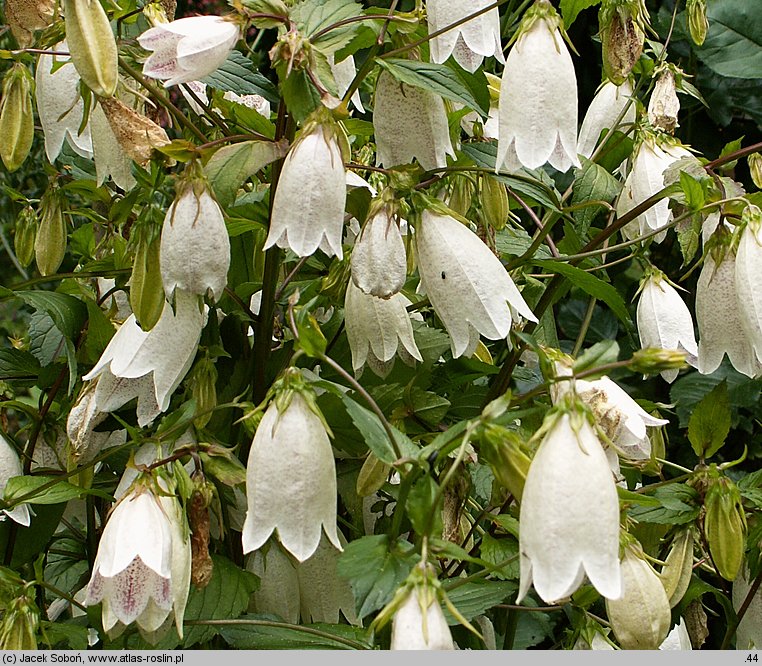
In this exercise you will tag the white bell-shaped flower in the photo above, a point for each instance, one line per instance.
(610, 102)
(188, 49)
(419, 623)
(538, 98)
(60, 106)
(749, 277)
(195, 248)
(644, 179)
(569, 521)
(470, 42)
(410, 123)
(10, 466)
(376, 328)
(622, 419)
(151, 364)
(291, 481)
(641, 617)
(110, 159)
(379, 263)
(142, 570)
(749, 632)
(664, 321)
(718, 315)
(308, 206)
(467, 285)
(344, 73)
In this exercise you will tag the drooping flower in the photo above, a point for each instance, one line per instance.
(664, 320)
(609, 103)
(188, 49)
(748, 276)
(569, 521)
(471, 41)
(379, 263)
(622, 419)
(467, 285)
(375, 329)
(538, 97)
(664, 105)
(641, 617)
(308, 206)
(410, 123)
(344, 73)
(195, 248)
(646, 178)
(151, 364)
(142, 570)
(718, 315)
(60, 106)
(290, 480)
(10, 466)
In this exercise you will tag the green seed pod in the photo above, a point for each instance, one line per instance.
(18, 630)
(503, 450)
(698, 23)
(755, 167)
(26, 231)
(16, 117)
(622, 36)
(725, 526)
(678, 567)
(146, 290)
(92, 45)
(50, 244)
(495, 206)
(461, 195)
(204, 390)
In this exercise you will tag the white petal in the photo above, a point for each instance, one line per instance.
(606, 107)
(379, 263)
(749, 285)
(408, 625)
(10, 466)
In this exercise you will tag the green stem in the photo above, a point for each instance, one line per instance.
(586, 321)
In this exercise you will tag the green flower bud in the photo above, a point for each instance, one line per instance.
(203, 383)
(461, 195)
(622, 33)
(50, 244)
(18, 630)
(372, 476)
(495, 206)
(92, 45)
(334, 285)
(16, 117)
(146, 290)
(698, 23)
(755, 167)
(725, 526)
(503, 450)
(26, 231)
(678, 567)
(652, 360)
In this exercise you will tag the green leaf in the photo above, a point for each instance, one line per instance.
(710, 423)
(693, 190)
(17, 364)
(442, 81)
(733, 45)
(428, 406)
(592, 183)
(314, 16)
(61, 491)
(375, 436)
(68, 313)
(238, 74)
(300, 95)
(474, 598)
(678, 505)
(601, 353)
(503, 555)
(421, 504)
(99, 331)
(591, 285)
(570, 9)
(231, 166)
(259, 632)
(688, 237)
(375, 570)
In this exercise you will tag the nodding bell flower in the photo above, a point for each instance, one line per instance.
(410, 123)
(664, 320)
(379, 263)
(141, 573)
(344, 73)
(641, 617)
(622, 419)
(10, 466)
(646, 177)
(375, 329)
(610, 102)
(195, 248)
(467, 285)
(188, 49)
(569, 521)
(57, 90)
(664, 105)
(308, 205)
(718, 313)
(151, 364)
(470, 42)
(748, 276)
(538, 97)
(291, 476)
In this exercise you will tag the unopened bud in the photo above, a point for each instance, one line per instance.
(461, 195)
(698, 23)
(18, 630)
(622, 36)
(50, 244)
(725, 526)
(198, 522)
(136, 135)
(26, 231)
(664, 105)
(146, 290)
(204, 389)
(678, 567)
(503, 451)
(652, 360)
(755, 167)
(495, 206)
(16, 117)
(92, 45)
(334, 284)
